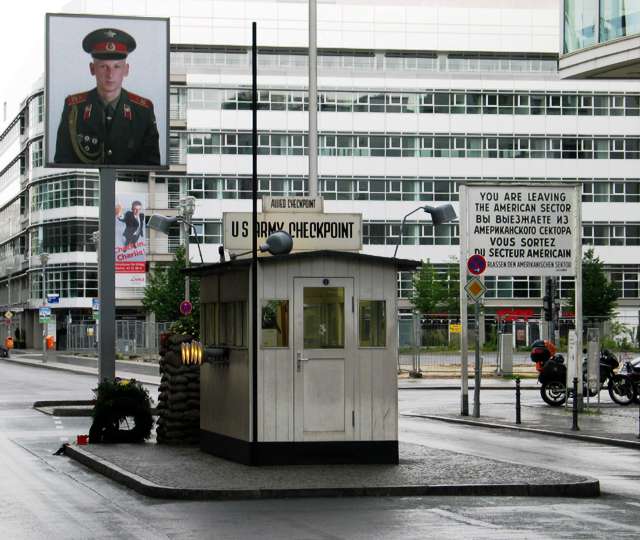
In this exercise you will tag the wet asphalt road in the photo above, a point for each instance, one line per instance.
(51, 497)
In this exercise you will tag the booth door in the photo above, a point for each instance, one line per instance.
(324, 356)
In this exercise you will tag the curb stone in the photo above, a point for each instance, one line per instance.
(492, 425)
(580, 489)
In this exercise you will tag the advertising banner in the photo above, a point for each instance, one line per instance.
(106, 89)
(522, 230)
(130, 249)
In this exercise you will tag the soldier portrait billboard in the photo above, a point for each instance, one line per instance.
(106, 91)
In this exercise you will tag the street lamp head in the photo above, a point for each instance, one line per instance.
(278, 243)
(161, 223)
(441, 214)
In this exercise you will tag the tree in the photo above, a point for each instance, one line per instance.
(165, 291)
(437, 291)
(599, 294)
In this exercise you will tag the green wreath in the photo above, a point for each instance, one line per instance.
(122, 413)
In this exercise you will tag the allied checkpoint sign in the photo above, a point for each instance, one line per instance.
(522, 230)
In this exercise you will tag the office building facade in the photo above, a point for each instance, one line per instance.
(414, 97)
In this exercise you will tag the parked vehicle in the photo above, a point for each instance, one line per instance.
(627, 382)
(553, 375)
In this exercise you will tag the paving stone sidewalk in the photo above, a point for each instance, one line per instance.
(187, 473)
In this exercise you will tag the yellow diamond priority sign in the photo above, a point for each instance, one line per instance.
(475, 289)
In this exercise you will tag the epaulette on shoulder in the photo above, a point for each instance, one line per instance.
(139, 100)
(74, 99)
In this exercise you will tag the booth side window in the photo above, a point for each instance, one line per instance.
(233, 324)
(275, 323)
(372, 323)
(209, 314)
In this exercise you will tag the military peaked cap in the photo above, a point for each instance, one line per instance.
(108, 44)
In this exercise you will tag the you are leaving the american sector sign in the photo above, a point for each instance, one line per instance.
(522, 229)
(310, 231)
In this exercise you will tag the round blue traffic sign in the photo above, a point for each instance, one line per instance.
(476, 264)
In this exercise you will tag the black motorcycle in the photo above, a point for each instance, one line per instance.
(627, 382)
(553, 375)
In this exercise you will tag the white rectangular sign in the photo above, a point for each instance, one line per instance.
(531, 230)
(342, 232)
(291, 204)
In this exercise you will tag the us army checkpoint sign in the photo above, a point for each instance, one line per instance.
(310, 231)
(522, 229)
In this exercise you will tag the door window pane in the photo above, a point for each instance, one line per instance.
(323, 317)
(372, 323)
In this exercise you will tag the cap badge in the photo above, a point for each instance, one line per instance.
(109, 33)
(110, 46)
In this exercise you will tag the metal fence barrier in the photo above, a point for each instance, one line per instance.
(433, 344)
(133, 338)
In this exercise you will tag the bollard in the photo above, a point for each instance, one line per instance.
(518, 400)
(574, 426)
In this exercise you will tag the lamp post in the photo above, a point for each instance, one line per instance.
(44, 259)
(439, 215)
(186, 209)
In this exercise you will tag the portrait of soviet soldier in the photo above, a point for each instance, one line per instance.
(108, 125)
(133, 224)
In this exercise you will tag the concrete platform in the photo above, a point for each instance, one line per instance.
(187, 473)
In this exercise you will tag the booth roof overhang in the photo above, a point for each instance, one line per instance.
(234, 264)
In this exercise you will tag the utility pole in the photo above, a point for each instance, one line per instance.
(187, 207)
(44, 259)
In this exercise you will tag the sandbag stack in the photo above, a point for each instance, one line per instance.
(178, 395)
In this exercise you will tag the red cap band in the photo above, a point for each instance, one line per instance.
(109, 47)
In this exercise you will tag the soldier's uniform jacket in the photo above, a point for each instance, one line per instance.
(85, 135)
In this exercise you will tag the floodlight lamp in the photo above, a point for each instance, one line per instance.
(441, 214)
(161, 223)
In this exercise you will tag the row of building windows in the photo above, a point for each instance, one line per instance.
(426, 234)
(388, 233)
(82, 190)
(67, 282)
(364, 61)
(453, 146)
(627, 282)
(433, 101)
(598, 190)
(71, 190)
(67, 236)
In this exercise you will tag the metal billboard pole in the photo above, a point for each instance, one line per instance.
(107, 276)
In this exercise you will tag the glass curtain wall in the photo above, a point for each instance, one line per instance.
(588, 22)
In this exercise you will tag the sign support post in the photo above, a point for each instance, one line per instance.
(478, 367)
(464, 339)
(107, 277)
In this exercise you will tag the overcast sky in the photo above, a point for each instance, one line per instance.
(22, 40)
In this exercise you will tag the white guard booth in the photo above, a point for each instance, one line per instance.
(326, 385)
